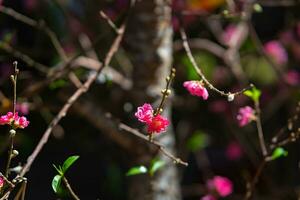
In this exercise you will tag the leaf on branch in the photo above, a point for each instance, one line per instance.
(155, 166)
(137, 170)
(279, 152)
(68, 163)
(56, 183)
(254, 94)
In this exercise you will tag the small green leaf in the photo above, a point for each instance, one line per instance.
(137, 170)
(155, 165)
(279, 152)
(58, 169)
(257, 8)
(56, 183)
(67, 164)
(254, 94)
(198, 140)
(57, 84)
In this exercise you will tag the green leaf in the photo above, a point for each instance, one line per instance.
(67, 164)
(279, 152)
(257, 8)
(56, 183)
(198, 140)
(57, 84)
(254, 94)
(137, 170)
(156, 165)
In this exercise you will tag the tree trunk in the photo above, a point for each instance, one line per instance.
(149, 45)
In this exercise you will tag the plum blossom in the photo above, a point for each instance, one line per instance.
(14, 120)
(155, 123)
(208, 197)
(23, 108)
(1, 182)
(158, 124)
(144, 113)
(222, 185)
(196, 88)
(245, 115)
(276, 51)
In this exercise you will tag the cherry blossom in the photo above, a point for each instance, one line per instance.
(14, 120)
(245, 115)
(222, 185)
(196, 88)
(276, 51)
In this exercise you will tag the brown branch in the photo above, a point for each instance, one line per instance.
(28, 60)
(62, 113)
(69, 188)
(40, 25)
(260, 130)
(160, 147)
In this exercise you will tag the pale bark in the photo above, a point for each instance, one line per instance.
(149, 45)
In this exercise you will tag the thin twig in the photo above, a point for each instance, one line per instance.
(199, 71)
(69, 188)
(40, 25)
(62, 113)
(153, 142)
(260, 130)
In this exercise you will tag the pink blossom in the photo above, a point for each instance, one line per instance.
(245, 115)
(292, 77)
(276, 51)
(234, 151)
(1, 181)
(208, 197)
(23, 108)
(196, 88)
(229, 34)
(14, 120)
(158, 124)
(21, 122)
(222, 185)
(144, 113)
(7, 119)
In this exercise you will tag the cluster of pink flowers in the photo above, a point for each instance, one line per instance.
(276, 51)
(155, 123)
(14, 120)
(245, 115)
(220, 185)
(196, 88)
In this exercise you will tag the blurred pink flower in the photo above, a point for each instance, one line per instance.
(234, 151)
(276, 51)
(14, 120)
(23, 108)
(158, 124)
(229, 34)
(208, 197)
(292, 77)
(144, 113)
(196, 88)
(245, 115)
(1, 182)
(222, 185)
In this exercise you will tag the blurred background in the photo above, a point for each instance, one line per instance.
(235, 42)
